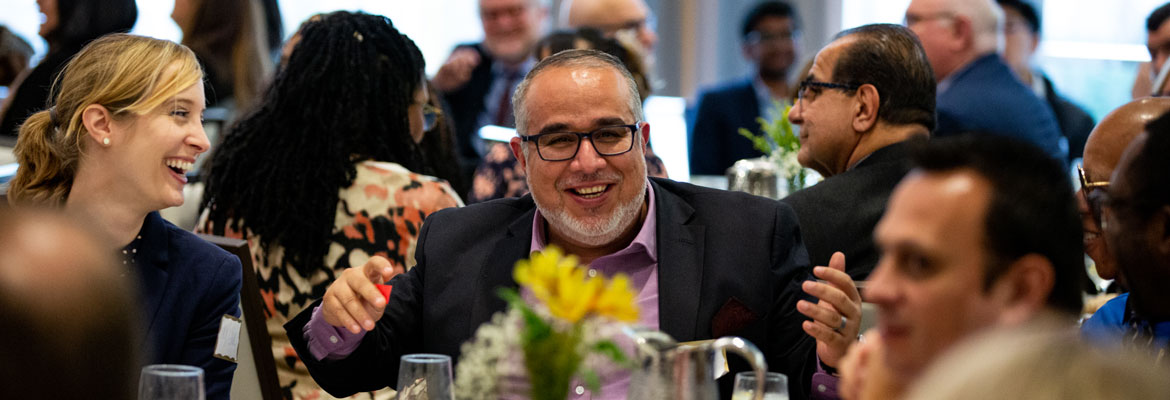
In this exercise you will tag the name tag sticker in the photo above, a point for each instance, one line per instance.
(227, 344)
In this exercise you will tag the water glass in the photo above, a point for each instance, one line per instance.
(775, 386)
(170, 382)
(425, 377)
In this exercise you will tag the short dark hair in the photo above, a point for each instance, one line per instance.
(1032, 208)
(767, 9)
(1026, 10)
(82, 21)
(1149, 170)
(890, 58)
(1158, 17)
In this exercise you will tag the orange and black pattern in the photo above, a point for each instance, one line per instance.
(380, 214)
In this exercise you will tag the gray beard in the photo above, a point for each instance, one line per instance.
(601, 232)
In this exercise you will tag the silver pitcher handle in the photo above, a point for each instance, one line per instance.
(751, 353)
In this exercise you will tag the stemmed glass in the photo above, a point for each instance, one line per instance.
(170, 382)
(775, 386)
(425, 377)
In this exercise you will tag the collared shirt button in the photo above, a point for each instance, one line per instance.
(821, 388)
(333, 339)
(580, 389)
(592, 273)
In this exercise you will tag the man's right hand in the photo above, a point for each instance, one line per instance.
(353, 299)
(456, 71)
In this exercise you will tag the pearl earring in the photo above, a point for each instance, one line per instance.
(106, 141)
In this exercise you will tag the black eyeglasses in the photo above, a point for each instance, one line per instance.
(607, 141)
(810, 88)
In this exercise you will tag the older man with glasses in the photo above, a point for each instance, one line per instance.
(1102, 153)
(867, 95)
(1135, 219)
(977, 91)
(703, 263)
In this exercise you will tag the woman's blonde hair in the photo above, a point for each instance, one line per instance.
(126, 74)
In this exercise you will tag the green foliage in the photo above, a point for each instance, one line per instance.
(778, 134)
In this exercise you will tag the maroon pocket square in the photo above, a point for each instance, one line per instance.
(733, 317)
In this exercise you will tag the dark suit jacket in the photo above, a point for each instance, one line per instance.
(986, 97)
(715, 140)
(466, 103)
(187, 285)
(716, 249)
(839, 213)
(1075, 123)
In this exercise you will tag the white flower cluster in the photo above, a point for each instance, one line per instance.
(493, 353)
(786, 164)
(492, 363)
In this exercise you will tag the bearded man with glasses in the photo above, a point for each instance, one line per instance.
(703, 263)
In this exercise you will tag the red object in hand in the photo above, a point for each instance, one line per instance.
(385, 289)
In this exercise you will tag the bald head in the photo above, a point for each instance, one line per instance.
(68, 307)
(1111, 136)
(613, 18)
(955, 32)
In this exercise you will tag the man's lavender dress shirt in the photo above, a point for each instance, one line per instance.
(638, 260)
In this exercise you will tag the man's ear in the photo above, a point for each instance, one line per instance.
(866, 114)
(98, 123)
(1159, 227)
(645, 132)
(518, 152)
(1023, 290)
(963, 34)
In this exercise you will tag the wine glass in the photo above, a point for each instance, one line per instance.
(170, 382)
(425, 377)
(775, 386)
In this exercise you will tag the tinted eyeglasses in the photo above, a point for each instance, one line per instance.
(607, 141)
(1095, 193)
(809, 89)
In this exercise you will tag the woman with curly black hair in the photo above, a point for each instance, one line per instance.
(318, 178)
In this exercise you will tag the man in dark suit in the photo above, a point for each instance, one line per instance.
(977, 92)
(477, 79)
(703, 263)
(1021, 37)
(868, 93)
(769, 41)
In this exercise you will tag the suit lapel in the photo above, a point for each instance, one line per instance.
(680, 265)
(497, 269)
(151, 263)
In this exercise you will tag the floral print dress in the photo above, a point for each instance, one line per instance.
(380, 214)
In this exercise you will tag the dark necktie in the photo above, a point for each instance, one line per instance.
(504, 111)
